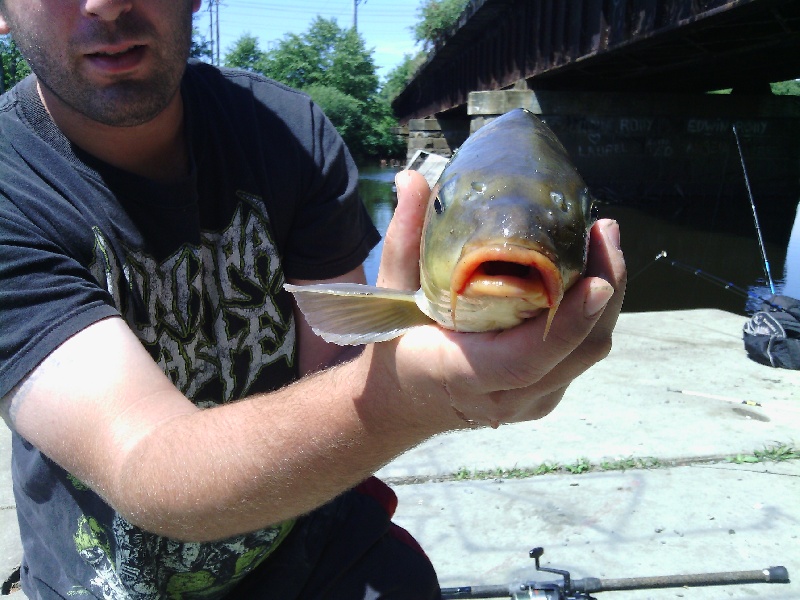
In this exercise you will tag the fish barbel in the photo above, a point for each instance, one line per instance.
(505, 235)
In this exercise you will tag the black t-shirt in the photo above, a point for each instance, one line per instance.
(195, 268)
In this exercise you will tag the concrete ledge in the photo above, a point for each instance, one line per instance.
(10, 545)
(671, 389)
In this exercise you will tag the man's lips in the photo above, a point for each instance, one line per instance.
(117, 60)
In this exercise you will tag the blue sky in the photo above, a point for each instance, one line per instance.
(384, 24)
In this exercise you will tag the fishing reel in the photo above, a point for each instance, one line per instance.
(550, 590)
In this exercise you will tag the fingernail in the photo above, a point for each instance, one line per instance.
(612, 231)
(596, 300)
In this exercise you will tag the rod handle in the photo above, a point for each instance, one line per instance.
(778, 574)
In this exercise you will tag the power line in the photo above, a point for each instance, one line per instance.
(355, 13)
(262, 10)
(213, 24)
(271, 20)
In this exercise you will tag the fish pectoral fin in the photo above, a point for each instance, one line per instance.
(350, 314)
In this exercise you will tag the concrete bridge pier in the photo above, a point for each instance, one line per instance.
(439, 135)
(442, 134)
(483, 107)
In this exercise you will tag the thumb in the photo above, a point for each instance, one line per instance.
(400, 258)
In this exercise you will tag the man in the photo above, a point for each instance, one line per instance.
(149, 215)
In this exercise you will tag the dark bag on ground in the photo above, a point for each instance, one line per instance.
(772, 335)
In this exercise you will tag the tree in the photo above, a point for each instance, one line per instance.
(398, 77)
(335, 68)
(201, 45)
(352, 69)
(436, 19)
(295, 62)
(13, 68)
(344, 111)
(245, 54)
(324, 55)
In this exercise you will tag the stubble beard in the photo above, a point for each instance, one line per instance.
(125, 103)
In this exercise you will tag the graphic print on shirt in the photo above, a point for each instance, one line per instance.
(156, 567)
(92, 545)
(206, 313)
(208, 317)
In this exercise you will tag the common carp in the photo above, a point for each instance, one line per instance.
(505, 235)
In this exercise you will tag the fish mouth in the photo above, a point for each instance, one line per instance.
(508, 271)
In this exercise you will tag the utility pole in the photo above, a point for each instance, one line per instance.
(217, 18)
(355, 13)
(213, 29)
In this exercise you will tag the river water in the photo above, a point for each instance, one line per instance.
(726, 248)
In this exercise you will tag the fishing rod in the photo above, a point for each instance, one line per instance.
(731, 287)
(755, 215)
(580, 589)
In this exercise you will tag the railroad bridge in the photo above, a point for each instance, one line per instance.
(624, 84)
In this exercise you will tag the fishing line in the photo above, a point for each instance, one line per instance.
(644, 268)
(755, 215)
(731, 287)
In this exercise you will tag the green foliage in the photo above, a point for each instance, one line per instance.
(397, 79)
(352, 69)
(777, 453)
(334, 67)
(246, 54)
(436, 17)
(344, 111)
(786, 88)
(582, 465)
(325, 55)
(295, 63)
(13, 68)
(780, 88)
(201, 46)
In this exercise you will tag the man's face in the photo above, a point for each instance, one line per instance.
(117, 62)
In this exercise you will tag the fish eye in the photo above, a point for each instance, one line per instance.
(438, 206)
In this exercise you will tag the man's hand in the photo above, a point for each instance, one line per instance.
(502, 376)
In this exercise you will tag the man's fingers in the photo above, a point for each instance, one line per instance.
(518, 358)
(606, 268)
(605, 256)
(607, 262)
(400, 259)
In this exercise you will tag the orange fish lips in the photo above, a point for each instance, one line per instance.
(508, 272)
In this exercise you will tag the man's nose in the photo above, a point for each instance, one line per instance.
(107, 10)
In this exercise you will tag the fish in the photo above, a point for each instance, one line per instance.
(505, 235)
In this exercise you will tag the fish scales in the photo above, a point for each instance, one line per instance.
(505, 235)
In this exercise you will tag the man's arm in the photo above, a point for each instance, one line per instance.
(102, 409)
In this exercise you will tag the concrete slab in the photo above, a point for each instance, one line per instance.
(10, 545)
(635, 403)
(638, 523)
(672, 389)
